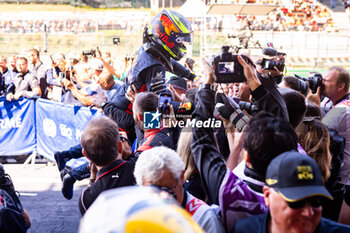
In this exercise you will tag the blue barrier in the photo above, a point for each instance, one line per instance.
(43, 126)
(17, 127)
(59, 126)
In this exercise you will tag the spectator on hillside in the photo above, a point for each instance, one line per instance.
(25, 84)
(101, 145)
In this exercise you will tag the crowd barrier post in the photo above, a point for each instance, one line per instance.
(30, 159)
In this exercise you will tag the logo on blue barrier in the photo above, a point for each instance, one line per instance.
(151, 120)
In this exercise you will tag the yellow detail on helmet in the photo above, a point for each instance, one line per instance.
(178, 23)
(161, 219)
(169, 50)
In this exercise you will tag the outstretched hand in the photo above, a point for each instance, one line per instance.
(315, 98)
(208, 73)
(250, 74)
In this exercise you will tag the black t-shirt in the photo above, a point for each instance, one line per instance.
(117, 174)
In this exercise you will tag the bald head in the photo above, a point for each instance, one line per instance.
(106, 80)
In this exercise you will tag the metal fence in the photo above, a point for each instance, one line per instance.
(302, 48)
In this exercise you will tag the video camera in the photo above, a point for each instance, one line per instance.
(91, 52)
(116, 40)
(314, 81)
(226, 67)
(269, 64)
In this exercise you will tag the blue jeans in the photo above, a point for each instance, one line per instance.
(75, 152)
(81, 172)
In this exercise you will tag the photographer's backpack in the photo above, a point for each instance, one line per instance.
(331, 209)
(8, 196)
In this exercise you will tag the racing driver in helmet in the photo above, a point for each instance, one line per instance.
(163, 45)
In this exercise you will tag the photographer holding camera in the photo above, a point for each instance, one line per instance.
(265, 137)
(263, 89)
(335, 86)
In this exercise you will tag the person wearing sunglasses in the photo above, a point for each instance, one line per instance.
(163, 168)
(294, 193)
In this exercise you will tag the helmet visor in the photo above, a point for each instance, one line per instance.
(179, 30)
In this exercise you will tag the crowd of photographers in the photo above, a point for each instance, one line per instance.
(240, 147)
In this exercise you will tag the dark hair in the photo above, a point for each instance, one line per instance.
(313, 110)
(296, 84)
(100, 140)
(314, 138)
(265, 138)
(146, 101)
(296, 105)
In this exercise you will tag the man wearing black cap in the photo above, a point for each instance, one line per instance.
(294, 194)
(179, 84)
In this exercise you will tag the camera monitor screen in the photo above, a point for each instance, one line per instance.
(164, 99)
(267, 64)
(226, 67)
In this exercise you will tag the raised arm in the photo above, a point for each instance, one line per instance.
(207, 158)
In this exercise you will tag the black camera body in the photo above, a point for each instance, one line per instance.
(226, 67)
(91, 52)
(268, 64)
(249, 107)
(116, 40)
(314, 81)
